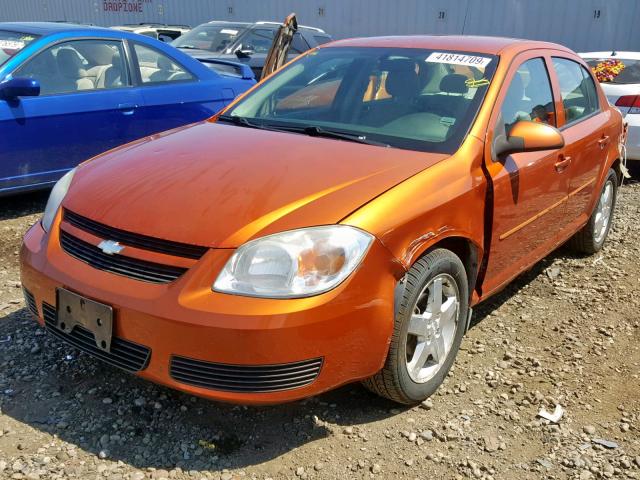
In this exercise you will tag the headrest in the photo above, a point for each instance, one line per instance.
(402, 79)
(454, 83)
(164, 63)
(69, 62)
(116, 60)
(96, 53)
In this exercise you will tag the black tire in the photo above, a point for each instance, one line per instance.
(585, 240)
(393, 381)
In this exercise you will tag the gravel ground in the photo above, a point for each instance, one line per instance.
(566, 333)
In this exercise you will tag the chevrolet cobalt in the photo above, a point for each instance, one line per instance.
(336, 223)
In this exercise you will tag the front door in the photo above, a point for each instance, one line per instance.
(529, 188)
(171, 94)
(85, 107)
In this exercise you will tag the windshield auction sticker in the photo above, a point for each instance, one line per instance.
(11, 44)
(458, 59)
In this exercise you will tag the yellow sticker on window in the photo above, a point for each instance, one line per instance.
(471, 83)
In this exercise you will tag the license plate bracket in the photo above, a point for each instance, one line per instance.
(74, 310)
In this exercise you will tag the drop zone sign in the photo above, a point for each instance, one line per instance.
(125, 6)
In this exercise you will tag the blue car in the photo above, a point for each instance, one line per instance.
(69, 92)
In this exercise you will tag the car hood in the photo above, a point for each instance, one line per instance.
(220, 185)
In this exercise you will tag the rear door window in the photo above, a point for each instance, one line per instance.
(156, 67)
(578, 90)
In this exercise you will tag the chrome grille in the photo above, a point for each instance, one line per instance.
(244, 378)
(143, 242)
(30, 301)
(119, 264)
(124, 354)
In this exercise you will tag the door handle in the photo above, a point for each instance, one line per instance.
(127, 108)
(604, 141)
(563, 162)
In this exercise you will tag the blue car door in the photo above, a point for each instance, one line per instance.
(86, 106)
(174, 94)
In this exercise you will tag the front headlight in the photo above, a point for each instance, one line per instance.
(293, 264)
(55, 199)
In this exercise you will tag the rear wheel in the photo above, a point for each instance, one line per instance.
(429, 327)
(592, 236)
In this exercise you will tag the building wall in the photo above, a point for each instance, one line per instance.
(580, 24)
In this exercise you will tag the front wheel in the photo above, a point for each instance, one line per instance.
(429, 327)
(592, 236)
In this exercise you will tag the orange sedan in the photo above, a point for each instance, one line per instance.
(337, 223)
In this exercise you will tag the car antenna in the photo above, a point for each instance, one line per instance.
(614, 53)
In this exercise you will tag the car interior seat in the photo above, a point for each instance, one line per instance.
(73, 75)
(166, 68)
(451, 101)
(403, 87)
(111, 77)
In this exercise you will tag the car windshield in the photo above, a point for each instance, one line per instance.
(12, 42)
(212, 37)
(612, 73)
(405, 98)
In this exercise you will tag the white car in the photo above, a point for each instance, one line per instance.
(623, 92)
(159, 31)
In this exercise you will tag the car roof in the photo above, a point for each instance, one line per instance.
(225, 22)
(46, 28)
(262, 22)
(468, 43)
(611, 54)
(277, 24)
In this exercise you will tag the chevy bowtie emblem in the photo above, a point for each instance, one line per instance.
(110, 247)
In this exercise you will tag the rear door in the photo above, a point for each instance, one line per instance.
(583, 124)
(86, 106)
(529, 188)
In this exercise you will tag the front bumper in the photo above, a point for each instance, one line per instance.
(343, 333)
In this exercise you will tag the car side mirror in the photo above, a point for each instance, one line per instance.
(244, 51)
(19, 87)
(528, 136)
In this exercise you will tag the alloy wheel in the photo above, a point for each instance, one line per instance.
(603, 212)
(432, 328)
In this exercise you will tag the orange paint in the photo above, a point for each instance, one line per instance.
(228, 185)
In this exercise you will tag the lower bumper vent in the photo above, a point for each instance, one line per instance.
(244, 378)
(30, 301)
(130, 357)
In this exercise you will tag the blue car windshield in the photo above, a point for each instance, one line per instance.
(12, 42)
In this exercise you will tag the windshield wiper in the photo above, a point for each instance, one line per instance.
(243, 122)
(312, 130)
(315, 131)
